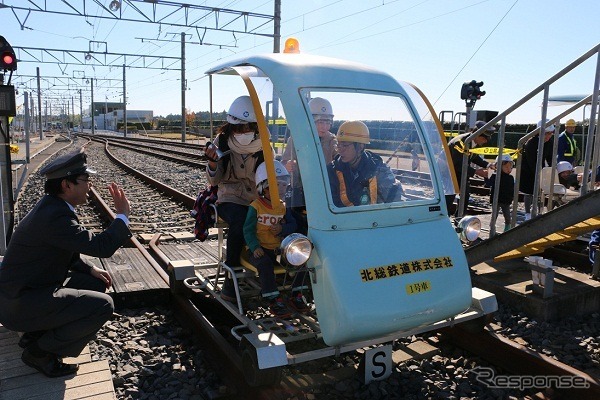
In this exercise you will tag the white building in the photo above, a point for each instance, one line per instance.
(111, 120)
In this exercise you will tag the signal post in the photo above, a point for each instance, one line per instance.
(8, 64)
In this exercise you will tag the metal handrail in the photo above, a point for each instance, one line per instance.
(502, 117)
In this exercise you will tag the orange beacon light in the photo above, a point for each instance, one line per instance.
(292, 46)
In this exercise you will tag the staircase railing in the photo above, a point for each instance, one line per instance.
(592, 153)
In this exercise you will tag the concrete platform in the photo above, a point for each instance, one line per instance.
(19, 381)
(511, 281)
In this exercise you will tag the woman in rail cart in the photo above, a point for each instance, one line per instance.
(234, 173)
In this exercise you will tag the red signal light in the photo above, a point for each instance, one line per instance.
(7, 59)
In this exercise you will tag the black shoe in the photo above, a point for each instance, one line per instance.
(29, 338)
(49, 364)
(298, 303)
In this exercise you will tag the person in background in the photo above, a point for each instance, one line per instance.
(416, 161)
(567, 145)
(265, 227)
(505, 165)
(529, 162)
(234, 172)
(566, 175)
(457, 149)
(322, 114)
(358, 176)
(47, 290)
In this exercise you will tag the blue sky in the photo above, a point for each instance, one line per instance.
(510, 45)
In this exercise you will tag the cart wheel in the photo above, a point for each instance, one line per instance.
(254, 376)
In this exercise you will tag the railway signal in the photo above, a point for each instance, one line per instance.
(8, 59)
(471, 92)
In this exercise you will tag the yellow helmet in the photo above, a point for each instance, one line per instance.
(571, 122)
(353, 131)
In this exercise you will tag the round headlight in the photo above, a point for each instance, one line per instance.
(296, 249)
(469, 228)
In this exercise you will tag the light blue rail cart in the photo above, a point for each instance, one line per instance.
(389, 268)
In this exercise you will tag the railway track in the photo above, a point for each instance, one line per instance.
(200, 312)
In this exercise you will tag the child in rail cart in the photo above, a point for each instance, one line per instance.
(504, 164)
(266, 224)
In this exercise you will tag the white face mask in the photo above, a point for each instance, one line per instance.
(244, 138)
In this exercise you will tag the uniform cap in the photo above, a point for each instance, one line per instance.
(72, 164)
(571, 122)
(488, 132)
(564, 166)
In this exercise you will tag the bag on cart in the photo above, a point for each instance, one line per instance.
(203, 213)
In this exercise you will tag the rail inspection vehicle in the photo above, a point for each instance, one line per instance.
(378, 271)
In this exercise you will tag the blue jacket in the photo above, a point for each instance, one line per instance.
(567, 147)
(359, 183)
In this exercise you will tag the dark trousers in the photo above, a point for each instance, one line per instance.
(70, 315)
(235, 216)
(266, 273)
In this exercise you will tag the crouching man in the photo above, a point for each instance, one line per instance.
(46, 289)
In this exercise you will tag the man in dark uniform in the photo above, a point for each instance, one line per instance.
(46, 289)
(457, 150)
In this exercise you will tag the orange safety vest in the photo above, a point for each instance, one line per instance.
(344, 196)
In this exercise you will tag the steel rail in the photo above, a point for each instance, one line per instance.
(519, 359)
(182, 158)
(186, 200)
(132, 240)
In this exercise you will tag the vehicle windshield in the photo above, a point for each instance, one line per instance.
(370, 147)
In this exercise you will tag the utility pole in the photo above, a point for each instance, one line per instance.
(183, 114)
(33, 123)
(124, 104)
(39, 104)
(105, 110)
(93, 112)
(80, 112)
(27, 130)
(73, 110)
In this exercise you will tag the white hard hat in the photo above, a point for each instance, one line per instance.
(549, 128)
(563, 166)
(320, 106)
(505, 157)
(261, 174)
(241, 111)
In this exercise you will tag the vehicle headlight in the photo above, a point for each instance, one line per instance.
(469, 228)
(296, 249)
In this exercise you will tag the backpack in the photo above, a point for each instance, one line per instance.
(203, 213)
